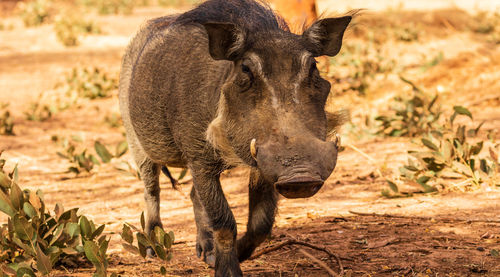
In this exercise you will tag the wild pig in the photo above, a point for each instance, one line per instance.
(228, 84)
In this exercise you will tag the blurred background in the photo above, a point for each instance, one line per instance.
(419, 79)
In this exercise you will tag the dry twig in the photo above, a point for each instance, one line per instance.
(442, 219)
(319, 262)
(315, 247)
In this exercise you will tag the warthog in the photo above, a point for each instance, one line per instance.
(228, 84)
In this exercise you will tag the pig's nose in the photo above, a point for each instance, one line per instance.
(299, 186)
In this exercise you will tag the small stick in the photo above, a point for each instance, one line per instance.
(319, 262)
(294, 241)
(366, 156)
(427, 218)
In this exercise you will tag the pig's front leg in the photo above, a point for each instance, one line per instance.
(262, 209)
(221, 220)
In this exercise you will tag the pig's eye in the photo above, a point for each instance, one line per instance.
(245, 81)
(313, 69)
(247, 70)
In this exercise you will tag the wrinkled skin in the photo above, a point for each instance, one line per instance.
(198, 88)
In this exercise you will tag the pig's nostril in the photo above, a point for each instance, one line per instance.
(299, 187)
(253, 149)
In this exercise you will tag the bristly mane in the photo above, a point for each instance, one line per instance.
(249, 15)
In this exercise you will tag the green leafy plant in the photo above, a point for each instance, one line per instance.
(35, 12)
(69, 29)
(356, 66)
(35, 239)
(451, 155)
(90, 83)
(176, 3)
(42, 110)
(158, 241)
(406, 34)
(6, 121)
(411, 115)
(113, 120)
(110, 6)
(82, 161)
(487, 23)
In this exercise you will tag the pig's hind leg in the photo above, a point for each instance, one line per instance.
(150, 174)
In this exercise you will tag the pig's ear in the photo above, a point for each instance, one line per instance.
(225, 40)
(324, 37)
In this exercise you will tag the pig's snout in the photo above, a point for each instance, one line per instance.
(299, 186)
(297, 170)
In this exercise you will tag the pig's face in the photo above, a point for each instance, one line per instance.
(271, 111)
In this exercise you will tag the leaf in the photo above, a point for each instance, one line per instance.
(447, 150)
(163, 270)
(23, 228)
(131, 248)
(415, 88)
(73, 229)
(411, 167)
(93, 255)
(35, 200)
(29, 210)
(183, 174)
(493, 155)
(167, 241)
(15, 175)
(24, 271)
(171, 234)
(159, 234)
(463, 111)
(461, 168)
(142, 250)
(69, 251)
(143, 221)
(423, 179)
(121, 149)
(98, 231)
(58, 210)
(85, 228)
(393, 186)
(103, 247)
(142, 240)
(6, 205)
(127, 234)
(494, 253)
(429, 189)
(429, 144)
(160, 252)
(16, 197)
(103, 152)
(4, 181)
(7, 270)
(42, 262)
(476, 149)
(433, 101)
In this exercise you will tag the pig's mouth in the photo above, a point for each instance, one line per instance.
(298, 186)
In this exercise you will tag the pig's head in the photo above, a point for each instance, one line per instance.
(271, 112)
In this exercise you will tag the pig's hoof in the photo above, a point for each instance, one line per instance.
(150, 253)
(206, 248)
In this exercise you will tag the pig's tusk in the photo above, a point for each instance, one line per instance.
(253, 149)
(337, 141)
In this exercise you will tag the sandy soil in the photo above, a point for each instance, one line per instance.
(446, 243)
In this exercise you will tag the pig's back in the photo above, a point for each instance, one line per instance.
(169, 88)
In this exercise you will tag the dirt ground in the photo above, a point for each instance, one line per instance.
(444, 234)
